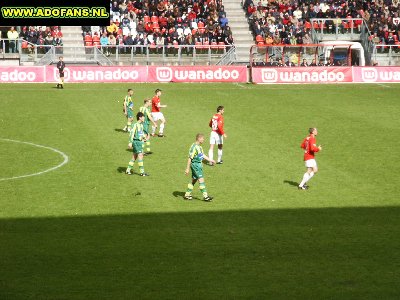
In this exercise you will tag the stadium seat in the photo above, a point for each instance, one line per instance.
(88, 38)
(146, 19)
(154, 19)
(259, 39)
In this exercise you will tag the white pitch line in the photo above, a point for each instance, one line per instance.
(384, 85)
(66, 159)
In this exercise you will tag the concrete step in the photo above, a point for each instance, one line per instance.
(234, 12)
(233, 19)
(72, 35)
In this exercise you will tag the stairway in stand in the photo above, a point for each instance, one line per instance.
(242, 35)
(72, 39)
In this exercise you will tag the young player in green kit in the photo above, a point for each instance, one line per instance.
(128, 110)
(136, 139)
(145, 109)
(196, 156)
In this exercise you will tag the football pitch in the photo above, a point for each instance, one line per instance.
(74, 226)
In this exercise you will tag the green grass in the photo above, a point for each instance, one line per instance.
(87, 231)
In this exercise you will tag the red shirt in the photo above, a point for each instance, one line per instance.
(309, 145)
(155, 102)
(217, 124)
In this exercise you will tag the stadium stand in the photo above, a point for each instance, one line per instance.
(168, 24)
(289, 22)
(24, 39)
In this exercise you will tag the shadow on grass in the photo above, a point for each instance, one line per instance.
(177, 194)
(337, 253)
(293, 183)
(121, 169)
(120, 130)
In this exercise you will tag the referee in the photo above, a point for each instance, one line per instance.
(60, 67)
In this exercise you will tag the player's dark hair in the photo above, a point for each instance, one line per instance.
(311, 129)
(129, 90)
(146, 100)
(219, 108)
(139, 115)
(157, 90)
(199, 135)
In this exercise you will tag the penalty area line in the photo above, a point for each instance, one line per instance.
(64, 162)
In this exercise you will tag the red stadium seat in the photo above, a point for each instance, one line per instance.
(259, 39)
(200, 25)
(146, 19)
(88, 43)
(88, 38)
(154, 19)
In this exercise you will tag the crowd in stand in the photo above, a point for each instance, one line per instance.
(41, 36)
(289, 22)
(162, 24)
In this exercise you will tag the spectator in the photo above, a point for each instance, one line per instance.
(112, 41)
(57, 43)
(304, 63)
(307, 39)
(112, 28)
(115, 13)
(104, 43)
(12, 36)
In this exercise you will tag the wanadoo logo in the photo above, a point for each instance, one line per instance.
(369, 74)
(272, 75)
(97, 75)
(164, 74)
(269, 75)
(17, 76)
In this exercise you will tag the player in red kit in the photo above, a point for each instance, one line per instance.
(217, 134)
(157, 114)
(310, 147)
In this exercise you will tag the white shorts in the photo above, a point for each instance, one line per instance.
(311, 163)
(216, 138)
(157, 116)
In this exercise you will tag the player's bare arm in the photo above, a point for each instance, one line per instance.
(208, 159)
(188, 166)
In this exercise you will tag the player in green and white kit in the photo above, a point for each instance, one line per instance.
(128, 110)
(145, 109)
(196, 156)
(136, 138)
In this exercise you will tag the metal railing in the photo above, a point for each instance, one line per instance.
(23, 50)
(122, 54)
(166, 54)
(386, 55)
(337, 29)
(228, 58)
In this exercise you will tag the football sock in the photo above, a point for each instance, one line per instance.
(219, 154)
(189, 189)
(131, 163)
(203, 189)
(153, 129)
(128, 125)
(309, 177)
(148, 146)
(141, 167)
(210, 154)
(162, 128)
(305, 179)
